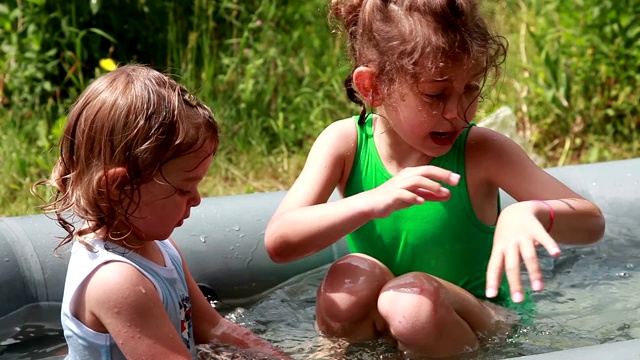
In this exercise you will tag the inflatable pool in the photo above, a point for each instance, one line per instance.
(223, 244)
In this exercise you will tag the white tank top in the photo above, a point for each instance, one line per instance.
(168, 280)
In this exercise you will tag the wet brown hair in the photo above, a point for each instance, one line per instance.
(411, 38)
(135, 118)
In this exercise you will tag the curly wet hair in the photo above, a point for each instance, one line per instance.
(135, 118)
(408, 38)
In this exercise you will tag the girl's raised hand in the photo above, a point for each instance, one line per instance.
(411, 186)
(518, 232)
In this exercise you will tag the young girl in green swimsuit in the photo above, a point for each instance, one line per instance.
(420, 208)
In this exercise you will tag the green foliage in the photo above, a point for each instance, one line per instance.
(273, 86)
(578, 80)
(41, 71)
(272, 71)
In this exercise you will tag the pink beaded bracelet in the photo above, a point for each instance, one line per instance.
(552, 214)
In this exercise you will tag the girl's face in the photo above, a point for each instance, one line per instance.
(166, 201)
(429, 115)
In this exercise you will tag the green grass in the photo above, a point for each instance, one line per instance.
(272, 71)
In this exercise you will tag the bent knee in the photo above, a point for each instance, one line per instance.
(416, 283)
(350, 289)
(355, 274)
(412, 306)
(346, 304)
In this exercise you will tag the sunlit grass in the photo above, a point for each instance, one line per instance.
(246, 173)
(272, 72)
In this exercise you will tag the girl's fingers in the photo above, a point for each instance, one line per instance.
(425, 181)
(436, 173)
(405, 198)
(431, 172)
(420, 183)
(530, 259)
(512, 268)
(443, 195)
(551, 245)
(495, 269)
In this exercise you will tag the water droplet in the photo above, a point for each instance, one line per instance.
(236, 228)
(243, 235)
(624, 326)
(231, 247)
(623, 274)
(629, 266)
(203, 239)
(6, 259)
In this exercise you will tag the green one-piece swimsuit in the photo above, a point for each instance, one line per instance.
(444, 239)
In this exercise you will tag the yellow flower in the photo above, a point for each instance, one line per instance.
(108, 64)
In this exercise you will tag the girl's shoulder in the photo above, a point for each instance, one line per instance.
(112, 285)
(338, 139)
(341, 129)
(489, 146)
(327, 166)
(497, 159)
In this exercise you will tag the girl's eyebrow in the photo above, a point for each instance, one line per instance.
(192, 178)
(449, 79)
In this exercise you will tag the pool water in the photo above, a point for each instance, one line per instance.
(591, 296)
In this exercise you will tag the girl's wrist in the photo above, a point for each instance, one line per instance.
(546, 208)
(363, 209)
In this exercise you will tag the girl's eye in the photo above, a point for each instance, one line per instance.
(472, 89)
(432, 96)
(183, 192)
(472, 93)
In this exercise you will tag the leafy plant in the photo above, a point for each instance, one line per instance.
(272, 71)
(579, 79)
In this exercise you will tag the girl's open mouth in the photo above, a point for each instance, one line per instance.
(443, 138)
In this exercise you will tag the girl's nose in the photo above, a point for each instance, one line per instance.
(452, 109)
(197, 199)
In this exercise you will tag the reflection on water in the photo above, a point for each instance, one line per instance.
(34, 341)
(591, 297)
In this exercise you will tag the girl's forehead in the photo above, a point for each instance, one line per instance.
(190, 162)
(458, 70)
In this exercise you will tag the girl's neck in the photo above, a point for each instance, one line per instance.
(131, 241)
(151, 251)
(395, 153)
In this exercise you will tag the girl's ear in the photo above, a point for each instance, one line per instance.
(112, 181)
(364, 79)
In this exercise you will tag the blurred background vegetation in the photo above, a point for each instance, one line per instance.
(272, 71)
